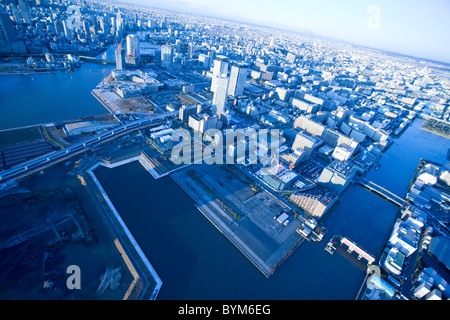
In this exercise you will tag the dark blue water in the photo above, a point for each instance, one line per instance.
(49, 97)
(400, 161)
(195, 261)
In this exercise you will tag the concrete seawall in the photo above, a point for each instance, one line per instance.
(125, 229)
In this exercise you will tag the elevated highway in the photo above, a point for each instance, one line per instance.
(45, 160)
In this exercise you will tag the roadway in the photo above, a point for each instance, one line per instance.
(382, 191)
(44, 160)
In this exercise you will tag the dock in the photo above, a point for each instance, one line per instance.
(333, 244)
(338, 241)
(353, 247)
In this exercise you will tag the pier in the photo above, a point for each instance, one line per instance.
(353, 247)
(96, 60)
(395, 199)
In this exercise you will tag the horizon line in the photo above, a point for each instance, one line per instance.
(304, 32)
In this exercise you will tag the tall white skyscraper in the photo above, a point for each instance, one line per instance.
(178, 45)
(68, 32)
(220, 94)
(238, 76)
(190, 50)
(120, 57)
(220, 68)
(166, 56)
(133, 47)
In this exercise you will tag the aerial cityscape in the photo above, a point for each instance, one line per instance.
(151, 152)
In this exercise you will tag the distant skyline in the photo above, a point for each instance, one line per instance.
(412, 27)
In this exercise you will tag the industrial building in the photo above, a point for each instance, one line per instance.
(72, 129)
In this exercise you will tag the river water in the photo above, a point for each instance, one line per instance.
(50, 97)
(193, 259)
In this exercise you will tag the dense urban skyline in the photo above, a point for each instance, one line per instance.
(164, 153)
(415, 28)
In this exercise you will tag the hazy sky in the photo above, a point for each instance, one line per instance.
(415, 27)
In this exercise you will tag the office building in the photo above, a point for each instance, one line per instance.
(220, 94)
(24, 12)
(68, 32)
(120, 58)
(290, 57)
(16, 14)
(7, 32)
(220, 68)
(306, 142)
(8, 39)
(86, 28)
(422, 290)
(343, 152)
(186, 111)
(238, 76)
(178, 46)
(201, 123)
(440, 249)
(190, 50)
(337, 176)
(166, 56)
(133, 47)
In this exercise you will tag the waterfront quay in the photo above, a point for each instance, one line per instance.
(242, 213)
(146, 281)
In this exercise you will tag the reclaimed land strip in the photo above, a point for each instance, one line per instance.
(266, 260)
(145, 161)
(204, 204)
(128, 244)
